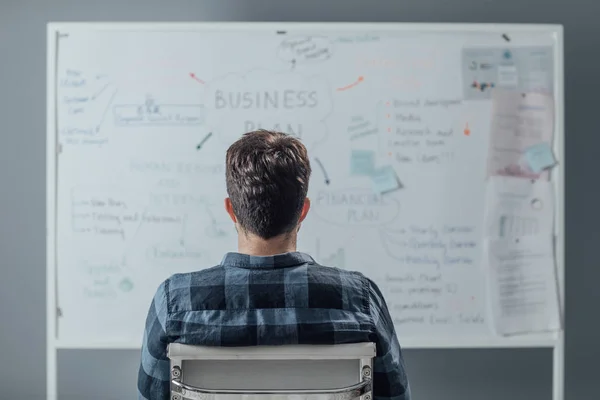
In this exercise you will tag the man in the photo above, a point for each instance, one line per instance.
(268, 293)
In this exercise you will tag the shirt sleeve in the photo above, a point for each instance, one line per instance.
(390, 381)
(153, 376)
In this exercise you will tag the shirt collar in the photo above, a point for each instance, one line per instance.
(266, 262)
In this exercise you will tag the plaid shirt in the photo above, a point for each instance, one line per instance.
(277, 300)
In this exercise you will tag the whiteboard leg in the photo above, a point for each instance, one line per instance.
(558, 369)
(51, 372)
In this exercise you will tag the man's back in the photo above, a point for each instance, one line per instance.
(274, 300)
(268, 293)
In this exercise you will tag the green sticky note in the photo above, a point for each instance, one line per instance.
(362, 162)
(540, 157)
(385, 180)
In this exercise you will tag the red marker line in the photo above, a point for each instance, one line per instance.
(193, 76)
(360, 79)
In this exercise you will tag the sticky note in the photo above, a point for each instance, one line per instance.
(362, 162)
(385, 180)
(126, 285)
(540, 157)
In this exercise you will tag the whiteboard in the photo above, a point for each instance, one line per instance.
(141, 115)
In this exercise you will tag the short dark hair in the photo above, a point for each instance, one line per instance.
(267, 176)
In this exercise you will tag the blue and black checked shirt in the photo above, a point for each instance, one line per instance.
(275, 300)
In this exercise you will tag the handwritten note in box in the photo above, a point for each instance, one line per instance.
(508, 76)
(385, 180)
(540, 157)
(362, 162)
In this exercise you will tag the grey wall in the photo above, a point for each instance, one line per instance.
(489, 374)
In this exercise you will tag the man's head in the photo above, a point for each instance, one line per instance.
(267, 180)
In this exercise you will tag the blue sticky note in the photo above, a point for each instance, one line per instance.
(385, 180)
(540, 157)
(362, 162)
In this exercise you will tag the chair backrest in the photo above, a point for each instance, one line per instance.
(297, 372)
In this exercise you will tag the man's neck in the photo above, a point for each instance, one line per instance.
(256, 246)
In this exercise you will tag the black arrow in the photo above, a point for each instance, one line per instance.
(204, 141)
(327, 181)
(106, 110)
(95, 96)
(293, 63)
(211, 216)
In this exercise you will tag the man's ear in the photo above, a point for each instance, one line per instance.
(229, 209)
(305, 209)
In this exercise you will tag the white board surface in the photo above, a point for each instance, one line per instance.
(143, 119)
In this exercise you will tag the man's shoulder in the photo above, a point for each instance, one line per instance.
(182, 289)
(348, 280)
(329, 271)
(205, 277)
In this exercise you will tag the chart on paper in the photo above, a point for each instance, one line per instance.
(397, 138)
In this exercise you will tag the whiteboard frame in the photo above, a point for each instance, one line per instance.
(554, 341)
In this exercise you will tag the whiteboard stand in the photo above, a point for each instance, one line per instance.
(51, 173)
(554, 341)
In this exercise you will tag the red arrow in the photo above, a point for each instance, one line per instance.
(193, 76)
(360, 79)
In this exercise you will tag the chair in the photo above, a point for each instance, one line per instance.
(308, 372)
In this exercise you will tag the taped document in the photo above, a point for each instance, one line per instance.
(518, 207)
(523, 285)
(519, 122)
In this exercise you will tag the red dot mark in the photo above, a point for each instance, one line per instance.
(389, 129)
(387, 103)
(193, 76)
(388, 115)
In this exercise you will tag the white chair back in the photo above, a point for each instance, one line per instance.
(307, 372)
